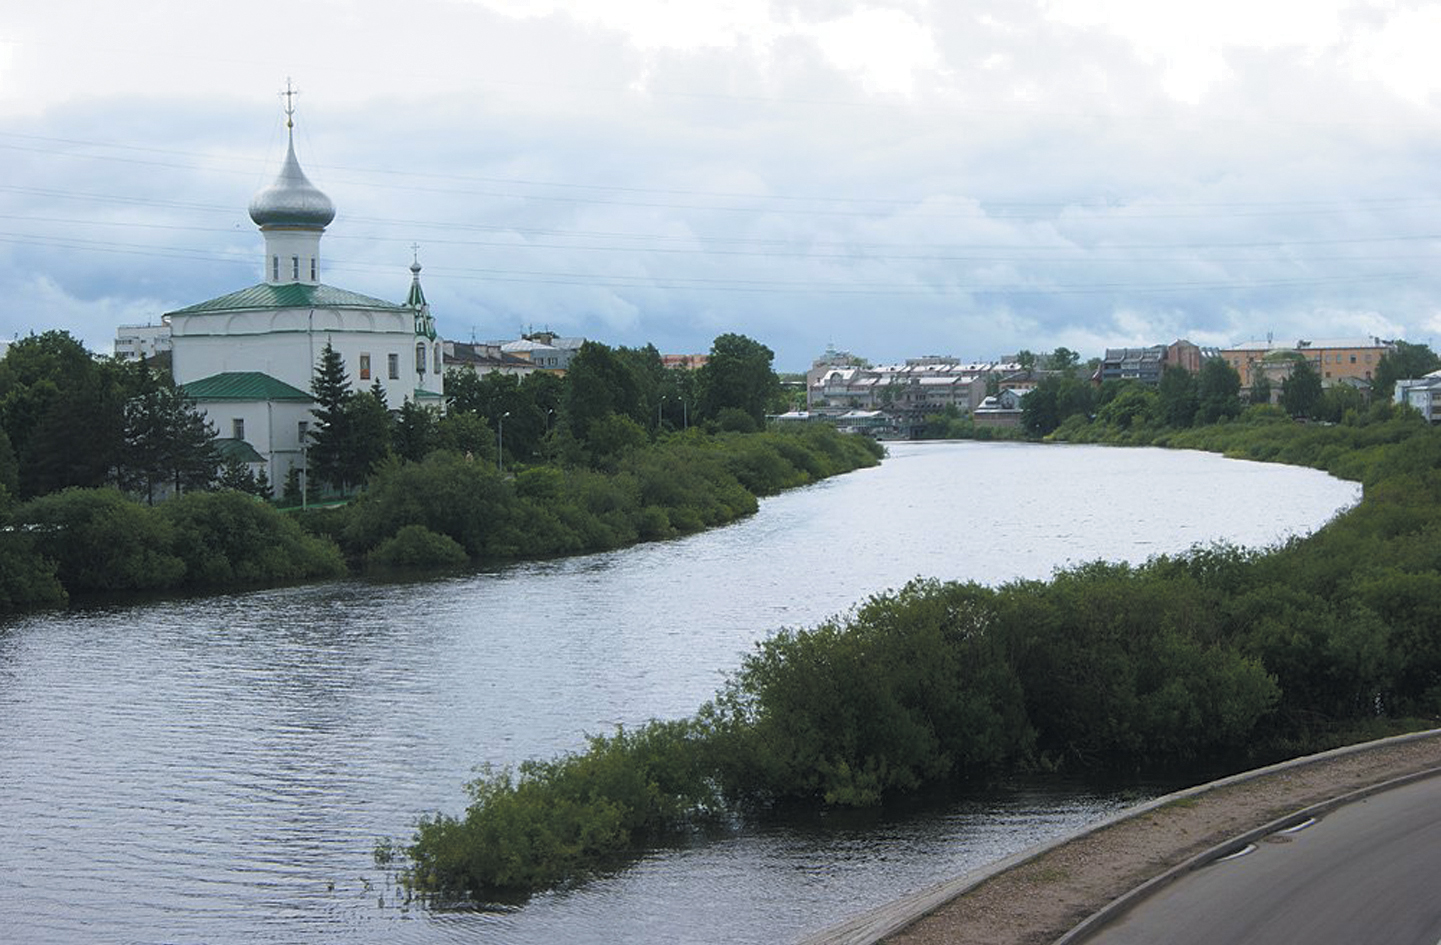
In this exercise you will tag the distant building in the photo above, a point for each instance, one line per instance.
(1336, 361)
(1002, 410)
(840, 384)
(1422, 393)
(1146, 365)
(141, 342)
(544, 349)
(689, 362)
(485, 358)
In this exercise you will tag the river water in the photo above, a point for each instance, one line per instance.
(218, 769)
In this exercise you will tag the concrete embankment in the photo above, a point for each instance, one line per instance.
(1042, 895)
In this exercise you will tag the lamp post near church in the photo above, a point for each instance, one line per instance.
(500, 442)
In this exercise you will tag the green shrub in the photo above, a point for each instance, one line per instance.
(102, 541)
(416, 546)
(233, 538)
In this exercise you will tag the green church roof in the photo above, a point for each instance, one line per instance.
(230, 448)
(288, 295)
(243, 386)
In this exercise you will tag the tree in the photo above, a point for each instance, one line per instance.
(331, 436)
(1178, 401)
(1026, 359)
(600, 382)
(416, 431)
(1260, 388)
(62, 411)
(368, 424)
(1055, 398)
(738, 373)
(1301, 392)
(166, 439)
(1064, 359)
(1218, 391)
(1405, 362)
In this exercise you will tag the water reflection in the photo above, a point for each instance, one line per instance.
(218, 769)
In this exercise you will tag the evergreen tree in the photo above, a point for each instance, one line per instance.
(166, 439)
(416, 432)
(331, 436)
(368, 425)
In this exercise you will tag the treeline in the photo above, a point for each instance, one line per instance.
(618, 450)
(446, 509)
(1216, 651)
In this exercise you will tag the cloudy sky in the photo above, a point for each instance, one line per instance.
(891, 177)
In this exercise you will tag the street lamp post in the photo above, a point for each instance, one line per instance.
(500, 442)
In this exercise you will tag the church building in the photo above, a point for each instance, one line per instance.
(247, 358)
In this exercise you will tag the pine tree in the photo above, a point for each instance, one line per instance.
(331, 436)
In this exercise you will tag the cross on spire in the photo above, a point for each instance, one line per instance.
(289, 94)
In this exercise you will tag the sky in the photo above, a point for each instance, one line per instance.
(893, 178)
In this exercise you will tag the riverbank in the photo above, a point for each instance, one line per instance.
(1038, 896)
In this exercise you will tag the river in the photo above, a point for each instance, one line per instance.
(218, 769)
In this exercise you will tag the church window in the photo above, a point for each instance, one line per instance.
(420, 357)
(365, 367)
(274, 268)
(237, 428)
(438, 365)
(295, 267)
(394, 363)
(314, 272)
(301, 429)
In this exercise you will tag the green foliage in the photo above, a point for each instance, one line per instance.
(1405, 362)
(27, 579)
(1055, 398)
(415, 546)
(1218, 391)
(554, 820)
(167, 440)
(329, 450)
(738, 375)
(1219, 650)
(909, 690)
(102, 541)
(227, 538)
(1301, 392)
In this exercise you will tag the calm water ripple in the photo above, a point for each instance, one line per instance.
(217, 770)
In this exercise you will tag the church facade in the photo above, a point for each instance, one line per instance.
(247, 358)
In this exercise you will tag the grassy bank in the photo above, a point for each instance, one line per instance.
(1215, 652)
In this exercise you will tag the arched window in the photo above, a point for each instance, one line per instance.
(420, 357)
(438, 364)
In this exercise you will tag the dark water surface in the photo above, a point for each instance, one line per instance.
(218, 770)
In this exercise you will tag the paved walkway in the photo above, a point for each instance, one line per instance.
(1038, 897)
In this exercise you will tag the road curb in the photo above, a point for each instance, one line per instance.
(876, 924)
(1116, 908)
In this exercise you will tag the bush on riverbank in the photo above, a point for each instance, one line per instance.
(680, 484)
(439, 512)
(1215, 651)
(101, 541)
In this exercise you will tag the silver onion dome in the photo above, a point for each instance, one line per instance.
(292, 200)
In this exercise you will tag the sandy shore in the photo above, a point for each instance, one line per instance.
(1038, 896)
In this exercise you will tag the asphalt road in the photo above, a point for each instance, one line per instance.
(1367, 873)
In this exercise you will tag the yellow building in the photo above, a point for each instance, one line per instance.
(1335, 361)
